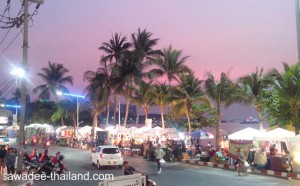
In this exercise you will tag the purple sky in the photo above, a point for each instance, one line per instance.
(218, 35)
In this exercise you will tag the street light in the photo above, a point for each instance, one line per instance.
(59, 93)
(19, 73)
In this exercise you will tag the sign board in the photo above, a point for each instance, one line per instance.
(129, 180)
(149, 123)
(3, 120)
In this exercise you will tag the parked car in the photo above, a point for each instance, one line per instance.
(107, 156)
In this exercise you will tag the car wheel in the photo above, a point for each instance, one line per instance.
(98, 165)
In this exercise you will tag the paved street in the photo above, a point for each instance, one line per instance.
(78, 161)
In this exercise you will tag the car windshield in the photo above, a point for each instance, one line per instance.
(110, 151)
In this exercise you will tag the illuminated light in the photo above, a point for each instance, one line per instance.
(18, 72)
(11, 106)
(181, 135)
(68, 94)
(59, 93)
(297, 158)
(73, 95)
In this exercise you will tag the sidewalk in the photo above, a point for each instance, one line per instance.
(231, 167)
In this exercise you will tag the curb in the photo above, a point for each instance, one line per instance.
(231, 167)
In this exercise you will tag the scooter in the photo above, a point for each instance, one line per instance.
(169, 156)
(47, 144)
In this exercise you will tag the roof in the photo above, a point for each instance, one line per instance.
(107, 146)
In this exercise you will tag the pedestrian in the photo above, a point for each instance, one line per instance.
(241, 162)
(3, 153)
(288, 163)
(159, 154)
(10, 161)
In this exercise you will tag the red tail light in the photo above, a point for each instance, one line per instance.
(48, 143)
(101, 155)
(120, 155)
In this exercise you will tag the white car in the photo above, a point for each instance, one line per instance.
(107, 156)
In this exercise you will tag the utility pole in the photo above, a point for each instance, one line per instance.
(298, 27)
(23, 91)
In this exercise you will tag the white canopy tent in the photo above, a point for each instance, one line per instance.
(85, 129)
(245, 134)
(277, 134)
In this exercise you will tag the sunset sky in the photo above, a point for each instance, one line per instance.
(219, 35)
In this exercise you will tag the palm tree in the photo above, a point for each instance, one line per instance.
(287, 85)
(115, 48)
(254, 86)
(55, 78)
(64, 109)
(161, 93)
(171, 63)
(143, 44)
(222, 92)
(97, 94)
(142, 96)
(186, 95)
(127, 73)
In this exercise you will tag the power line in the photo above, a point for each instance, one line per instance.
(5, 10)
(10, 27)
(34, 13)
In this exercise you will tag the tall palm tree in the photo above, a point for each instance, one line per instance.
(143, 44)
(287, 85)
(115, 48)
(142, 96)
(186, 94)
(222, 92)
(161, 93)
(254, 86)
(54, 76)
(127, 73)
(97, 94)
(171, 63)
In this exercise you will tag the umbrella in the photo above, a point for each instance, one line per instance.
(201, 134)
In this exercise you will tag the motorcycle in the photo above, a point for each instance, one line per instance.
(47, 144)
(169, 156)
(48, 167)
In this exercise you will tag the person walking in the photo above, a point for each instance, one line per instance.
(159, 154)
(10, 161)
(3, 153)
(241, 162)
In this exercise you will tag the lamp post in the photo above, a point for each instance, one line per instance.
(18, 73)
(77, 106)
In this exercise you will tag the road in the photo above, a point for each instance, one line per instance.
(177, 174)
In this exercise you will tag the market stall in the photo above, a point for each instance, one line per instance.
(12, 131)
(295, 152)
(278, 139)
(156, 134)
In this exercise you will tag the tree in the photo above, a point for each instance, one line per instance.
(254, 86)
(115, 48)
(96, 92)
(40, 111)
(171, 63)
(64, 109)
(287, 87)
(160, 93)
(186, 94)
(127, 73)
(142, 96)
(222, 92)
(143, 45)
(54, 76)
